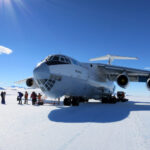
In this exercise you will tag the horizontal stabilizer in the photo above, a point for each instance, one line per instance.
(110, 58)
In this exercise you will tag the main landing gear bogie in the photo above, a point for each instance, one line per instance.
(74, 101)
(67, 101)
(110, 99)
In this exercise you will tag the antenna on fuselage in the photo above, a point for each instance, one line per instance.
(111, 58)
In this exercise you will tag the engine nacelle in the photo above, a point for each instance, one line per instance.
(148, 83)
(122, 80)
(31, 83)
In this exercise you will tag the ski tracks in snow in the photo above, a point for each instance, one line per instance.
(73, 138)
(136, 128)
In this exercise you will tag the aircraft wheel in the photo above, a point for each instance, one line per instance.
(75, 101)
(67, 101)
(104, 100)
(124, 100)
(114, 100)
(81, 99)
(86, 100)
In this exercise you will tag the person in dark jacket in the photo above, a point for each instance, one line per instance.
(34, 98)
(3, 94)
(19, 98)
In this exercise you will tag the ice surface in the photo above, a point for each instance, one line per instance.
(91, 126)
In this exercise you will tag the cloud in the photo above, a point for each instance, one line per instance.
(5, 50)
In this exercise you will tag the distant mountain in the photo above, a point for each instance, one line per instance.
(2, 88)
(14, 86)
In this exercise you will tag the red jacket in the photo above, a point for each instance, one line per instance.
(33, 95)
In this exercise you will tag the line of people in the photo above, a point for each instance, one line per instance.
(36, 99)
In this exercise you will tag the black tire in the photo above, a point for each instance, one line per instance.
(81, 99)
(75, 101)
(124, 100)
(109, 100)
(104, 100)
(114, 100)
(67, 101)
(86, 100)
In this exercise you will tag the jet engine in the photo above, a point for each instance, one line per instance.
(31, 83)
(123, 80)
(148, 83)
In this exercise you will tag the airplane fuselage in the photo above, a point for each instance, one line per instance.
(72, 79)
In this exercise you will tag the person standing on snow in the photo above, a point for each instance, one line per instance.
(19, 98)
(40, 101)
(26, 98)
(3, 94)
(34, 98)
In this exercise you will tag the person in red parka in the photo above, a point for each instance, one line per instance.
(34, 98)
(26, 98)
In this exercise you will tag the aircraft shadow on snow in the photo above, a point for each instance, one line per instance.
(97, 112)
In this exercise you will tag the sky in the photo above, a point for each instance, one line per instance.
(82, 29)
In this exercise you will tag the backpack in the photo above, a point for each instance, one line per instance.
(18, 98)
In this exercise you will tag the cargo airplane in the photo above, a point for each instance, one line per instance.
(60, 75)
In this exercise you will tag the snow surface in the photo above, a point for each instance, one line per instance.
(91, 126)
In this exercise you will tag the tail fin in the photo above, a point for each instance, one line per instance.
(110, 58)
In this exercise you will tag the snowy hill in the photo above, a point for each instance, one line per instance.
(2, 88)
(91, 126)
(14, 86)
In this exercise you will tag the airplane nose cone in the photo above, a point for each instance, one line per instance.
(41, 72)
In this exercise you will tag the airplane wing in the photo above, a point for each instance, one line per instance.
(21, 81)
(30, 82)
(134, 75)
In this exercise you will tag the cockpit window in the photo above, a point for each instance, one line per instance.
(67, 61)
(75, 62)
(57, 59)
(62, 59)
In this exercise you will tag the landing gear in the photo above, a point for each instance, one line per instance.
(75, 101)
(71, 100)
(83, 99)
(109, 99)
(67, 101)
